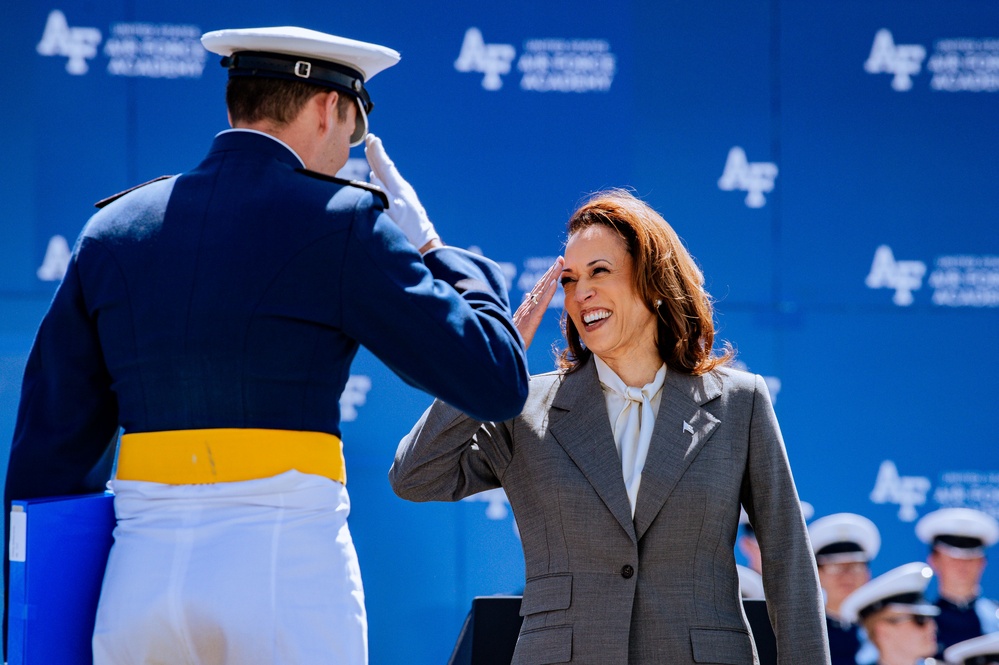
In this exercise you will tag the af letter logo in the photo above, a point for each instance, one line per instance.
(77, 44)
(754, 178)
(906, 491)
(903, 276)
(355, 394)
(902, 60)
(490, 60)
(56, 260)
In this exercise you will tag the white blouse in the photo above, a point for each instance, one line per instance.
(632, 414)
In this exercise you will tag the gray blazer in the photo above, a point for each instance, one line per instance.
(661, 588)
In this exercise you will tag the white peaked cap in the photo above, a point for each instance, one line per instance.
(977, 647)
(750, 583)
(845, 536)
(960, 522)
(901, 588)
(366, 58)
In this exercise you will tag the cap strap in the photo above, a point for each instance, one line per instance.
(841, 557)
(292, 68)
(840, 547)
(909, 598)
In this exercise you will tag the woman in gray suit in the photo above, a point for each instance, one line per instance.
(628, 466)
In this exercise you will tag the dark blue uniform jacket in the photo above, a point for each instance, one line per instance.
(236, 295)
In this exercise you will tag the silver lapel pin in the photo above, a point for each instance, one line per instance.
(687, 428)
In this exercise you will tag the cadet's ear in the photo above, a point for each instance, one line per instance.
(326, 106)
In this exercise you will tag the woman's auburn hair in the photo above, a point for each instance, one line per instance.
(663, 270)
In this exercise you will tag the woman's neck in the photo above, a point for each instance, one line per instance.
(636, 369)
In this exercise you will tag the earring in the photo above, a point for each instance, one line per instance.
(659, 302)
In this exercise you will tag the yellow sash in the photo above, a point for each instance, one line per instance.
(195, 456)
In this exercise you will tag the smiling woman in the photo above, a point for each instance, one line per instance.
(619, 247)
(603, 310)
(628, 466)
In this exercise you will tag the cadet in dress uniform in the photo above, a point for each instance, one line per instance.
(213, 317)
(957, 538)
(748, 544)
(844, 545)
(982, 650)
(895, 614)
(750, 583)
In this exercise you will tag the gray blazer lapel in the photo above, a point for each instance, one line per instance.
(682, 429)
(578, 420)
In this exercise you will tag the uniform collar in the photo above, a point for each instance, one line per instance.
(945, 603)
(231, 138)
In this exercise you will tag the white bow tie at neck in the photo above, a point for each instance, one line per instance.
(632, 435)
(632, 413)
(639, 395)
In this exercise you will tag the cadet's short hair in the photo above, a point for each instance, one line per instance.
(252, 99)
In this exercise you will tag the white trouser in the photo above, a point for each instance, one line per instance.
(255, 572)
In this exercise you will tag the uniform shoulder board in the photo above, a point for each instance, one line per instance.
(377, 191)
(115, 197)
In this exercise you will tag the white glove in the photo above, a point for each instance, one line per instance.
(404, 208)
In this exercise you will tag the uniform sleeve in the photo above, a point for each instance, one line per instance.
(448, 456)
(68, 415)
(790, 579)
(442, 322)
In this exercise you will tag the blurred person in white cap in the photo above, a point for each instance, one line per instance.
(750, 583)
(844, 545)
(749, 546)
(958, 538)
(981, 650)
(213, 317)
(896, 615)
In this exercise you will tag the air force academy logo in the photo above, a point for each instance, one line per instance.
(76, 44)
(754, 178)
(147, 50)
(902, 60)
(549, 65)
(906, 492)
(490, 60)
(56, 260)
(903, 276)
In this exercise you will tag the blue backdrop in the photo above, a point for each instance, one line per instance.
(831, 164)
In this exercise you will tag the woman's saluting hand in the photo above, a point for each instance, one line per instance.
(528, 316)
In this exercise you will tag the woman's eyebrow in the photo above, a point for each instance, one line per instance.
(591, 263)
